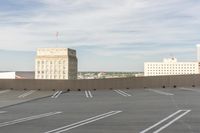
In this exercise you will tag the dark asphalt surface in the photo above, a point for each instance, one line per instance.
(143, 108)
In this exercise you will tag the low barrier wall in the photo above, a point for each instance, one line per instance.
(98, 84)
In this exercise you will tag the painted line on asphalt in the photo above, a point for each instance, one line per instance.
(88, 94)
(161, 92)
(160, 122)
(171, 122)
(179, 113)
(189, 89)
(26, 94)
(122, 93)
(4, 91)
(83, 122)
(8, 123)
(56, 94)
(29, 93)
(1, 112)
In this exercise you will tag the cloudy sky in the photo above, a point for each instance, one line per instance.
(109, 35)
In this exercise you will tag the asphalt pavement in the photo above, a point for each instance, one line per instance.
(169, 110)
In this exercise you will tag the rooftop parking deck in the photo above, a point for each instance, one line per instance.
(167, 110)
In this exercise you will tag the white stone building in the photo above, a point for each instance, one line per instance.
(170, 66)
(56, 63)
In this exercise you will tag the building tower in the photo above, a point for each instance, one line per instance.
(56, 63)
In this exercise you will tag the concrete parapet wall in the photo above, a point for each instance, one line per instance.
(99, 84)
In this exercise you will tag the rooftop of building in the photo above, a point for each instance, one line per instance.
(172, 60)
(55, 52)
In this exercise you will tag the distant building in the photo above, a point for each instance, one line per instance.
(17, 75)
(198, 52)
(170, 66)
(56, 63)
(7, 75)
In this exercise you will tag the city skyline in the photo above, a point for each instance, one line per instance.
(109, 35)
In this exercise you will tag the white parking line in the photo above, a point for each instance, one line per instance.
(4, 91)
(161, 92)
(182, 113)
(8, 123)
(122, 93)
(56, 94)
(83, 122)
(26, 94)
(88, 94)
(1, 112)
(29, 93)
(189, 89)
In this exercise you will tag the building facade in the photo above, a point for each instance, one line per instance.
(56, 63)
(170, 66)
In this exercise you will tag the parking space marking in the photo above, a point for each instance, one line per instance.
(178, 114)
(83, 122)
(56, 94)
(88, 94)
(8, 123)
(189, 89)
(122, 93)
(1, 112)
(161, 92)
(4, 91)
(26, 94)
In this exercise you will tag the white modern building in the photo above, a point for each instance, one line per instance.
(56, 63)
(198, 52)
(170, 66)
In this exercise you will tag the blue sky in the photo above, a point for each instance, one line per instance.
(109, 35)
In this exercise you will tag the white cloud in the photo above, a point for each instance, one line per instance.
(93, 22)
(108, 25)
